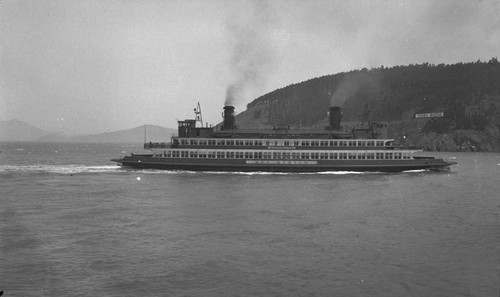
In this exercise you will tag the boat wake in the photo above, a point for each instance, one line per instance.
(58, 169)
(82, 169)
(258, 173)
(415, 171)
(248, 173)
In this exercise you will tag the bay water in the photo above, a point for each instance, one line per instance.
(73, 223)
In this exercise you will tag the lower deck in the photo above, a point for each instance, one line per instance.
(284, 155)
(272, 165)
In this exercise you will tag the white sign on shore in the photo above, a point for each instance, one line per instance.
(429, 115)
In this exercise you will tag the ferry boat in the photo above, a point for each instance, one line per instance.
(281, 149)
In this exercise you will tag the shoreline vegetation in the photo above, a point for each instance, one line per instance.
(466, 94)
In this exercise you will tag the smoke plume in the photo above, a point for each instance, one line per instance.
(352, 84)
(252, 52)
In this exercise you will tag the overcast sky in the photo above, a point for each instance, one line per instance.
(90, 66)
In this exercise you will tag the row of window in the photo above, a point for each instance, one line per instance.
(286, 155)
(283, 142)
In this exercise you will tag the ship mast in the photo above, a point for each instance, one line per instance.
(198, 117)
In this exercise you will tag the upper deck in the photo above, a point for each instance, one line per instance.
(257, 143)
(194, 128)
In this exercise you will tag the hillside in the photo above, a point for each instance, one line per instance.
(15, 130)
(135, 135)
(467, 93)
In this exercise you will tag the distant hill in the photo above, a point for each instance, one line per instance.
(53, 137)
(467, 93)
(135, 135)
(15, 130)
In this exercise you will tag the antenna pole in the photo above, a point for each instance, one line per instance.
(198, 117)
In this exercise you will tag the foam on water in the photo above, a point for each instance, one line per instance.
(168, 172)
(77, 168)
(58, 169)
(415, 171)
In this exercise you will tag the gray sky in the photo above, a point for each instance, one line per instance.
(95, 65)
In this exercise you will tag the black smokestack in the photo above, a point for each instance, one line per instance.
(228, 118)
(334, 117)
